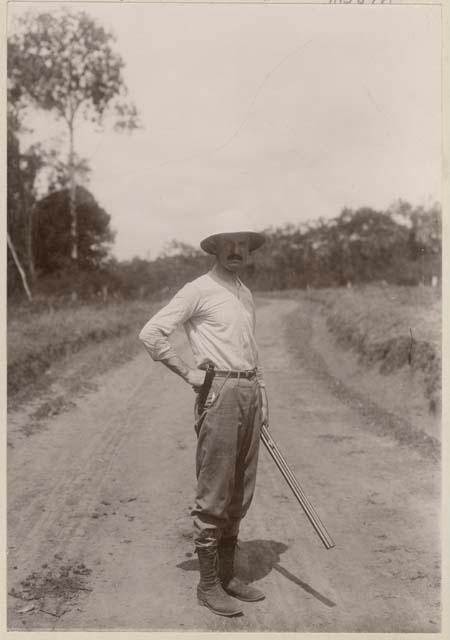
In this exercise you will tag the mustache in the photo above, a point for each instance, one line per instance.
(234, 256)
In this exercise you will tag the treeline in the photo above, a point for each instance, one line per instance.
(401, 246)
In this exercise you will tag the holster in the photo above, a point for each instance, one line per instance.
(205, 388)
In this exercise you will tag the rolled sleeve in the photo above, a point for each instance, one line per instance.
(155, 334)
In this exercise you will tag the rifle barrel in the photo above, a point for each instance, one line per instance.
(298, 492)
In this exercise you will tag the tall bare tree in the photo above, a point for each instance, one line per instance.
(64, 62)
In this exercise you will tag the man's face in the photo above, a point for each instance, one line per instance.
(233, 252)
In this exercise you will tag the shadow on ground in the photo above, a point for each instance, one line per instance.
(256, 559)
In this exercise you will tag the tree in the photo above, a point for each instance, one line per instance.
(64, 62)
(20, 269)
(369, 240)
(22, 168)
(52, 238)
(425, 235)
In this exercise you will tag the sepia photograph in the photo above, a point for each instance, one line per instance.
(224, 317)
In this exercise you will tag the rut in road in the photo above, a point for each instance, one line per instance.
(75, 481)
(134, 439)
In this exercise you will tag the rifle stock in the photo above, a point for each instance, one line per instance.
(298, 492)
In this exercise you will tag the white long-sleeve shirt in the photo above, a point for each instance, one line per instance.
(219, 324)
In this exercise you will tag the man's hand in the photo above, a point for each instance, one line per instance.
(196, 377)
(264, 408)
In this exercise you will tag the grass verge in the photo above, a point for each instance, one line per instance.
(388, 327)
(36, 340)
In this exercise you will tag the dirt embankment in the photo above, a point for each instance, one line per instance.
(388, 328)
(361, 339)
(391, 328)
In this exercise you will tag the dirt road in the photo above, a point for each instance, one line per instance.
(108, 487)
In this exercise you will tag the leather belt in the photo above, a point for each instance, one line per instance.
(249, 374)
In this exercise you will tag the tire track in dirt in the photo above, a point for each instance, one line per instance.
(67, 464)
(74, 494)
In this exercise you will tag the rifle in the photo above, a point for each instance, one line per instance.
(298, 492)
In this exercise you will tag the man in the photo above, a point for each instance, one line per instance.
(218, 315)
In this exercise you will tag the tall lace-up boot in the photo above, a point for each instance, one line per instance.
(209, 590)
(232, 585)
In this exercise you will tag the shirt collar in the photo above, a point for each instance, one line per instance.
(225, 283)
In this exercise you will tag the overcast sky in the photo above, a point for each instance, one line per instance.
(263, 114)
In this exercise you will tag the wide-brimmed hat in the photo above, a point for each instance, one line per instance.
(255, 240)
